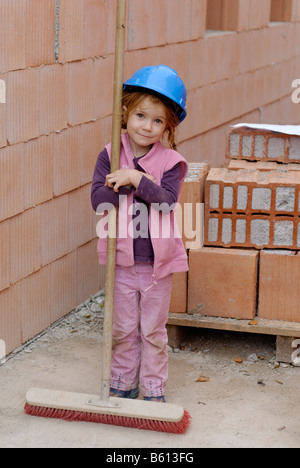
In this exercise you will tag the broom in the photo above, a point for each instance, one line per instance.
(161, 417)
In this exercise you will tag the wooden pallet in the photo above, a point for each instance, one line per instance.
(286, 332)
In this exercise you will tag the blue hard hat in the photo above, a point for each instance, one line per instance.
(162, 80)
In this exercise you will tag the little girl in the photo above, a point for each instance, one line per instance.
(146, 189)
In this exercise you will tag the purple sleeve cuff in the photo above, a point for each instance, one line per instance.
(167, 192)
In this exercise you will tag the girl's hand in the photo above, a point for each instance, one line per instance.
(123, 177)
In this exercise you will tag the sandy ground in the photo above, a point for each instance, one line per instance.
(250, 404)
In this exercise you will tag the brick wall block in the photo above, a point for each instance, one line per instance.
(259, 14)
(11, 306)
(93, 136)
(223, 283)
(12, 181)
(23, 101)
(37, 299)
(251, 192)
(71, 30)
(3, 138)
(80, 217)
(95, 27)
(40, 19)
(259, 145)
(190, 212)
(66, 160)
(63, 286)
(12, 34)
(279, 293)
(25, 244)
(80, 92)
(53, 98)
(5, 265)
(185, 20)
(54, 229)
(141, 18)
(256, 231)
(90, 276)
(243, 164)
(102, 86)
(38, 171)
(178, 302)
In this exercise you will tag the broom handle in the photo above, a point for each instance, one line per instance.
(112, 215)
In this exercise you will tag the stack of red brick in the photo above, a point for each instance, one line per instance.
(190, 220)
(250, 262)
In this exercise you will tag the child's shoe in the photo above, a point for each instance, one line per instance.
(159, 399)
(115, 392)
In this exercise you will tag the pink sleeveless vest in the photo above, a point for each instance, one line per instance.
(169, 252)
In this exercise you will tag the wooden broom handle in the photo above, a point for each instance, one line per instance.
(112, 217)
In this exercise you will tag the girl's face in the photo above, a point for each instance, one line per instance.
(146, 125)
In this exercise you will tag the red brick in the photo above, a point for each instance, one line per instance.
(40, 19)
(11, 306)
(190, 212)
(226, 15)
(53, 98)
(231, 11)
(214, 15)
(93, 137)
(103, 78)
(80, 217)
(54, 229)
(12, 34)
(197, 74)
(223, 283)
(12, 181)
(269, 192)
(81, 92)
(95, 27)
(25, 244)
(281, 10)
(296, 11)
(141, 18)
(256, 144)
(243, 15)
(279, 292)
(5, 242)
(38, 173)
(23, 103)
(3, 91)
(259, 14)
(111, 26)
(185, 20)
(66, 159)
(178, 302)
(90, 275)
(63, 286)
(71, 30)
(37, 300)
(174, 53)
(256, 231)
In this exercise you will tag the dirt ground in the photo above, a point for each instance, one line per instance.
(250, 404)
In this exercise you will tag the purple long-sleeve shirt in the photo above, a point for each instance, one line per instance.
(147, 192)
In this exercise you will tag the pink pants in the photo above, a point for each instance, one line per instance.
(139, 354)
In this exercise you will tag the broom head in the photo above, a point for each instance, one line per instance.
(140, 414)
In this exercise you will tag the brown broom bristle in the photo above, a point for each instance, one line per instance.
(137, 423)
